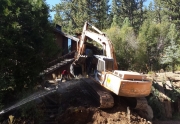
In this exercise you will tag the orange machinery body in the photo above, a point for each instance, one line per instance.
(122, 83)
(125, 83)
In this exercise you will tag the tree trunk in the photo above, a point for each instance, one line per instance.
(173, 66)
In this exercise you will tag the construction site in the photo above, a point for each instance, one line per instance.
(95, 91)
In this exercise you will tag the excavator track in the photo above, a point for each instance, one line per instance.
(141, 106)
(144, 109)
(106, 100)
(102, 96)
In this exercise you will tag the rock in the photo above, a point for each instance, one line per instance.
(47, 88)
(168, 85)
(161, 70)
(147, 113)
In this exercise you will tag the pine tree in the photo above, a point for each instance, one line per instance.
(115, 21)
(100, 11)
(114, 9)
(172, 52)
(158, 10)
(115, 12)
(26, 42)
(172, 9)
(148, 40)
(79, 11)
(149, 12)
(133, 9)
(73, 12)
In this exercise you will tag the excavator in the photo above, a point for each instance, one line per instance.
(104, 78)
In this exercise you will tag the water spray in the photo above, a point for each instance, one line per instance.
(60, 88)
(2, 112)
(28, 99)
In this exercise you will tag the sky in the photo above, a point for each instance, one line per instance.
(54, 2)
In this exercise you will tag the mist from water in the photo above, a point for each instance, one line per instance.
(28, 99)
(60, 88)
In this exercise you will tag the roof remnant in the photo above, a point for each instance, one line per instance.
(58, 30)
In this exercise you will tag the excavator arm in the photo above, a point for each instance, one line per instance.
(98, 37)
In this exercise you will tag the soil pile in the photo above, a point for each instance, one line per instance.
(78, 107)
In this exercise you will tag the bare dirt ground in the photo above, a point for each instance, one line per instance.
(78, 107)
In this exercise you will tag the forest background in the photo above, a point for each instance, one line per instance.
(144, 38)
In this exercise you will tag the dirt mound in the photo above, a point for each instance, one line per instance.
(75, 115)
(82, 115)
(78, 107)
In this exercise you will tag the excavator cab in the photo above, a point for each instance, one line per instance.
(104, 63)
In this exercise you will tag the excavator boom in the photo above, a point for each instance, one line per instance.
(99, 38)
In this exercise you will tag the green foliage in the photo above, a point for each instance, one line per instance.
(172, 51)
(173, 94)
(177, 67)
(115, 21)
(172, 10)
(156, 104)
(150, 26)
(71, 14)
(152, 39)
(114, 35)
(124, 42)
(157, 107)
(133, 9)
(142, 58)
(26, 43)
